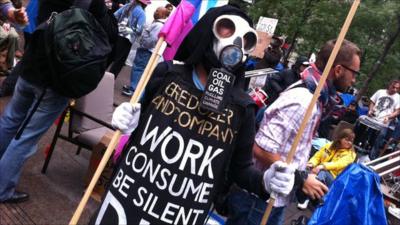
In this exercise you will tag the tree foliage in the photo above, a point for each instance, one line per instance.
(313, 22)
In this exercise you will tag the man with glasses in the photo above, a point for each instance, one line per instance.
(280, 125)
(355, 73)
(384, 108)
(328, 122)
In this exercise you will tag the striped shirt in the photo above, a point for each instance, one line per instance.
(280, 125)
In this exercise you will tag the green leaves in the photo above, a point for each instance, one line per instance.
(316, 21)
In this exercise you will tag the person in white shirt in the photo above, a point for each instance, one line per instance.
(385, 103)
(384, 108)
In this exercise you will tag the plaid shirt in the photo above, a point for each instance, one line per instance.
(280, 125)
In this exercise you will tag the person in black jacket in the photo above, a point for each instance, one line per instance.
(280, 81)
(116, 4)
(34, 73)
(181, 153)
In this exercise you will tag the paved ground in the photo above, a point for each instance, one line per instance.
(55, 195)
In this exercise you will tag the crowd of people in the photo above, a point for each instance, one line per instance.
(10, 51)
(178, 163)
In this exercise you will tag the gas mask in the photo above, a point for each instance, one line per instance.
(235, 39)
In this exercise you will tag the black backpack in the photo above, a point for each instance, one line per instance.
(277, 83)
(76, 50)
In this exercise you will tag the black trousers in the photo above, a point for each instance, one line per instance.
(120, 53)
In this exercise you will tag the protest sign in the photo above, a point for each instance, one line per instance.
(267, 25)
(265, 29)
(218, 87)
(173, 162)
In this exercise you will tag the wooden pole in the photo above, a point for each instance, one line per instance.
(151, 65)
(314, 99)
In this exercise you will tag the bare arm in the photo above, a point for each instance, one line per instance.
(266, 158)
(393, 115)
(371, 108)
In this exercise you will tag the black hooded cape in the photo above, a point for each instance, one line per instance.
(197, 45)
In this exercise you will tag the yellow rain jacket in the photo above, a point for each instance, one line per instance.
(334, 160)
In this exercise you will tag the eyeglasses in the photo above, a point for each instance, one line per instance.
(355, 73)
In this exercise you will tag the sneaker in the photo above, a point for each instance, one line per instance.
(17, 197)
(303, 205)
(394, 211)
(126, 88)
(127, 92)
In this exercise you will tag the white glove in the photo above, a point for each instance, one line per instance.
(126, 117)
(129, 30)
(279, 178)
(121, 29)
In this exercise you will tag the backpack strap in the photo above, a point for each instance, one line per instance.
(29, 117)
(84, 4)
(300, 84)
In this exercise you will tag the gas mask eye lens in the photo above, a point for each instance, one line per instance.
(225, 28)
(250, 41)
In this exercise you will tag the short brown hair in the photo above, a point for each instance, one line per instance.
(344, 56)
(345, 133)
(393, 82)
(169, 8)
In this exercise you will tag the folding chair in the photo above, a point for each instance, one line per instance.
(90, 118)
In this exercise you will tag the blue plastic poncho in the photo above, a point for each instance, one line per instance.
(32, 11)
(354, 198)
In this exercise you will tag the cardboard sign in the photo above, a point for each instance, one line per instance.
(265, 30)
(105, 178)
(262, 43)
(218, 85)
(267, 25)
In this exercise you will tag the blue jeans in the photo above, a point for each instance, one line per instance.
(396, 132)
(248, 209)
(139, 64)
(379, 141)
(325, 177)
(13, 153)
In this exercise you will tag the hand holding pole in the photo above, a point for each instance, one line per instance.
(159, 49)
(321, 83)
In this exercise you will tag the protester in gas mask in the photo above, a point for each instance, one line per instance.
(186, 144)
